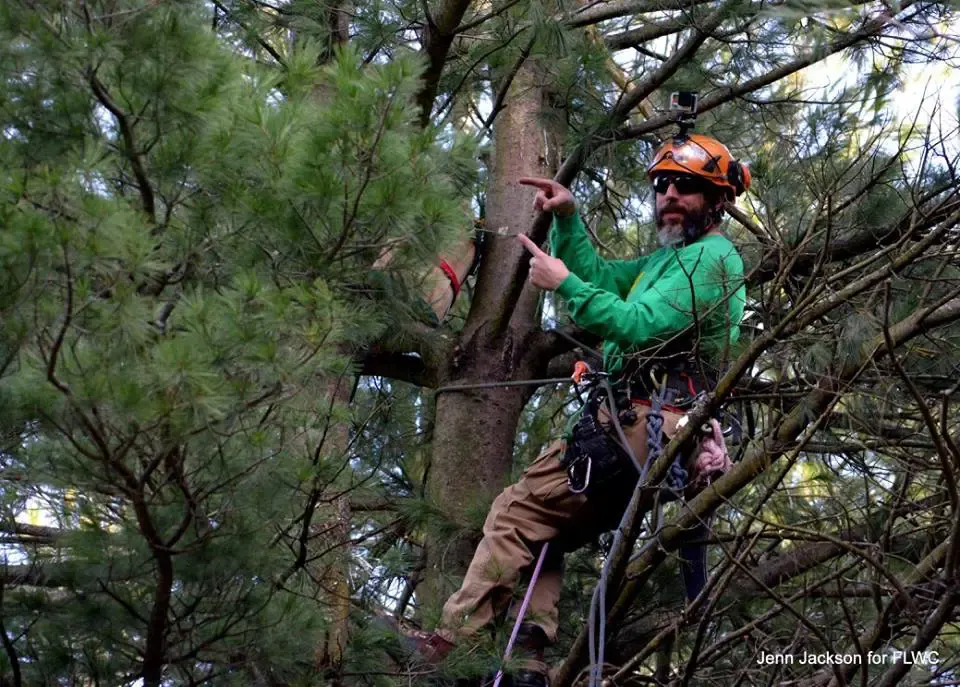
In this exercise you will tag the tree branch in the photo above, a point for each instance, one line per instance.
(133, 155)
(571, 166)
(263, 44)
(47, 575)
(438, 34)
(38, 533)
(416, 353)
(725, 95)
(853, 246)
(473, 23)
(647, 32)
(931, 628)
(622, 8)
(872, 638)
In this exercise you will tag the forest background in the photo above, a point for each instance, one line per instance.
(227, 452)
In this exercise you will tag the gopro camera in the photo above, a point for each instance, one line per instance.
(684, 102)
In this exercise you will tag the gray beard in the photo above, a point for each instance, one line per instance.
(670, 236)
(692, 228)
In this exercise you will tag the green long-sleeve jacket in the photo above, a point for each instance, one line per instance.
(687, 298)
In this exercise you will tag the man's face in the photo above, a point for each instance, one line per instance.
(681, 213)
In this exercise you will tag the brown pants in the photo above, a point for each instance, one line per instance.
(537, 509)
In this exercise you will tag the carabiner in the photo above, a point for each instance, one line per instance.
(586, 479)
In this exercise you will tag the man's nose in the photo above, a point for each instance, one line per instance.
(671, 192)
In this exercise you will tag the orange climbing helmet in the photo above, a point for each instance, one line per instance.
(704, 157)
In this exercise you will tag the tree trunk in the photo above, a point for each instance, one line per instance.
(336, 587)
(329, 531)
(473, 441)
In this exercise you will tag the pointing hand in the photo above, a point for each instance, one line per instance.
(551, 197)
(546, 271)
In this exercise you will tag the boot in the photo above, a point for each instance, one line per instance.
(528, 653)
(431, 647)
(529, 678)
(518, 678)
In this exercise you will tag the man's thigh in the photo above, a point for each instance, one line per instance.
(540, 503)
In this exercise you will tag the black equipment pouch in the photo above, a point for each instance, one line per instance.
(593, 458)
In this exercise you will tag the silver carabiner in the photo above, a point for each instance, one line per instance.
(586, 481)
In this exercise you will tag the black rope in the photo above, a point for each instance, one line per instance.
(497, 385)
(587, 350)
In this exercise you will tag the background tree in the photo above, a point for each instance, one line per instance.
(217, 216)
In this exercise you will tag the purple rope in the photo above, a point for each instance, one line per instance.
(522, 612)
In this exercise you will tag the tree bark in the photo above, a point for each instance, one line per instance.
(473, 440)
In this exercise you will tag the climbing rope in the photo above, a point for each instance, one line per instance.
(497, 385)
(596, 636)
(712, 461)
(522, 612)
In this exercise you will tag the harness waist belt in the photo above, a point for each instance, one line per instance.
(684, 384)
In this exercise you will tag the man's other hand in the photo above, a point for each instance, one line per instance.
(551, 196)
(546, 271)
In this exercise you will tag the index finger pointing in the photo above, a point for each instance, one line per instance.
(530, 245)
(542, 184)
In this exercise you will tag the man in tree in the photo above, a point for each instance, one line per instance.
(673, 313)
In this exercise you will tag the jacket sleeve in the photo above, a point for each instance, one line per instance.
(571, 243)
(692, 285)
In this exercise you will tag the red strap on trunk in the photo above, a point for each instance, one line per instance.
(452, 276)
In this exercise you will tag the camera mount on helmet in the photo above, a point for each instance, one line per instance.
(684, 103)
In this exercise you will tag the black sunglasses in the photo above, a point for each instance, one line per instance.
(684, 183)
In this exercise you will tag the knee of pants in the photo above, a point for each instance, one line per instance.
(544, 603)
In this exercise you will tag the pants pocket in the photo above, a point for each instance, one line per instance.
(546, 478)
